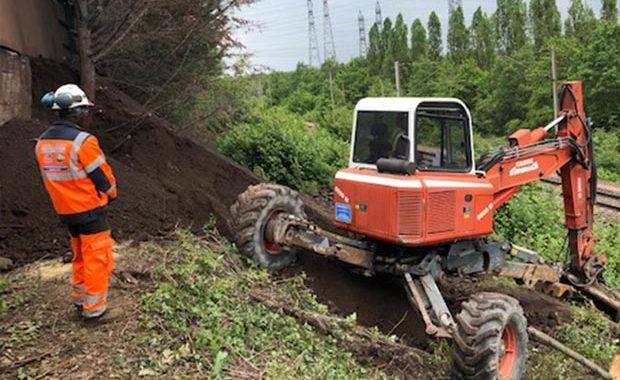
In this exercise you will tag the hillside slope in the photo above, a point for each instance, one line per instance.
(164, 179)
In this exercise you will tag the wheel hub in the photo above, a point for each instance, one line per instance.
(507, 353)
(271, 246)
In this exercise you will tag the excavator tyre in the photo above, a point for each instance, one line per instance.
(491, 339)
(252, 213)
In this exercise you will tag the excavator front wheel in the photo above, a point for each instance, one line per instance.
(253, 214)
(491, 339)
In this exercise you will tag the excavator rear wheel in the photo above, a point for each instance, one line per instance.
(254, 210)
(491, 339)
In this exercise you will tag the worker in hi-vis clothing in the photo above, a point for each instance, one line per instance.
(80, 184)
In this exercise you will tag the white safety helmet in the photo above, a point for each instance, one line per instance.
(68, 97)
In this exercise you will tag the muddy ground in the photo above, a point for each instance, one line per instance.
(383, 302)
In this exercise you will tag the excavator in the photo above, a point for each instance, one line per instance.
(413, 204)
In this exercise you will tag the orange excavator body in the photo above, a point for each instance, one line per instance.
(425, 207)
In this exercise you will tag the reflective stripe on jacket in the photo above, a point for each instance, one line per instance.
(76, 175)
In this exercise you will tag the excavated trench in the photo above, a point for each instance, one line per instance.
(166, 180)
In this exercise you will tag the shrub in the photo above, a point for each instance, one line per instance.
(279, 144)
(607, 150)
(337, 121)
(534, 218)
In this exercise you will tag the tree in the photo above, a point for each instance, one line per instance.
(387, 65)
(386, 31)
(434, 36)
(419, 44)
(609, 11)
(397, 44)
(98, 33)
(503, 102)
(482, 41)
(602, 76)
(386, 36)
(580, 21)
(544, 21)
(510, 20)
(135, 44)
(458, 38)
(376, 49)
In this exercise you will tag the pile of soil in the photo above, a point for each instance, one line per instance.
(164, 180)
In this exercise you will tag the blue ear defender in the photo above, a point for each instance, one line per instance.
(48, 100)
(64, 100)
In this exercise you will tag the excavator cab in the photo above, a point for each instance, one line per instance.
(411, 178)
(433, 134)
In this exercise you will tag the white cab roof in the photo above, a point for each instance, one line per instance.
(400, 104)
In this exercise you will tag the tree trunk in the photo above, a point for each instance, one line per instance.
(84, 44)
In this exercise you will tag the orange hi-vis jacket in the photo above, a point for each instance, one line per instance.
(76, 175)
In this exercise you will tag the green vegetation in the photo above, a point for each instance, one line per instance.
(4, 288)
(590, 333)
(493, 64)
(278, 145)
(206, 294)
(534, 218)
(607, 150)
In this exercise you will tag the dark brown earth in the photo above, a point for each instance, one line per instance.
(166, 180)
(383, 302)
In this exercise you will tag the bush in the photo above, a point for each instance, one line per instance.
(279, 145)
(487, 145)
(607, 151)
(534, 218)
(338, 121)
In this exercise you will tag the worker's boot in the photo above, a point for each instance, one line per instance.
(109, 315)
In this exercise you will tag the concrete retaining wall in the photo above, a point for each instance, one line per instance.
(34, 28)
(15, 87)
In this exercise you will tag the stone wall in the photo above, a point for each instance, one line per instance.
(15, 87)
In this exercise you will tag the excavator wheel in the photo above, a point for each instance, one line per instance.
(253, 211)
(491, 338)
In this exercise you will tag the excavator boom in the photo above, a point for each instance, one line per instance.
(533, 154)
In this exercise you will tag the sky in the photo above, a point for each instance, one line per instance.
(277, 37)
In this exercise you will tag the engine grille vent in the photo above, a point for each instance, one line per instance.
(441, 207)
(409, 213)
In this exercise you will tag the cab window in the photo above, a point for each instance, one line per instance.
(442, 137)
(381, 135)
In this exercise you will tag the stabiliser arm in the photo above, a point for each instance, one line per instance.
(533, 155)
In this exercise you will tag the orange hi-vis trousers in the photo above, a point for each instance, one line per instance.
(92, 263)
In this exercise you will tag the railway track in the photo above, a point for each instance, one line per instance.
(606, 196)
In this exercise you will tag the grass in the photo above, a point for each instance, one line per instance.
(200, 315)
(4, 288)
(589, 333)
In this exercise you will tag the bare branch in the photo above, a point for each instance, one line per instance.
(97, 57)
